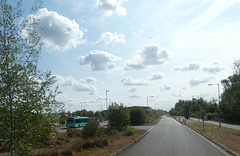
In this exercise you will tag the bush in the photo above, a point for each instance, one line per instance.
(66, 152)
(137, 116)
(90, 129)
(101, 142)
(118, 116)
(72, 133)
(129, 131)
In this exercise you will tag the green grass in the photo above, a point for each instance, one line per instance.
(226, 137)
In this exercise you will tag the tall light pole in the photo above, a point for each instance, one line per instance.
(218, 100)
(147, 99)
(106, 99)
(218, 91)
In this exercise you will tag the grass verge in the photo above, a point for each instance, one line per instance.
(71, 143)
(226, 137)
(154, 122)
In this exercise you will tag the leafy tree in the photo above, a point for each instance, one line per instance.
(97, 114)
(149, 115)
(27, 102)
(137, 116)
(69, 114)
(118, 116)
(230, 103)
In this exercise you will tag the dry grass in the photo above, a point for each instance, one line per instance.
(227, 137)
(71, 143)
(154, 122)
(116, 143)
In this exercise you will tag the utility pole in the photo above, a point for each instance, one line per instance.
(218, 101)
(106, 99)
(147, 99)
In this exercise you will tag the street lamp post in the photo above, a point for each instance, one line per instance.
(106, 99)
(147, 99)
(218, 100)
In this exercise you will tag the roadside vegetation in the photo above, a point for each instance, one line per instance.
(75, 142)
(93, 139)
(28, 106)
(226, 137)
(228, 110)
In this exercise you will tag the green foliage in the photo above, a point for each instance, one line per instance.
(97, 114)
(194, 108)
(90, 130)
(118, 116)
(149, 115)
(137, 116)
(230, 103)
(129, 131)
(28, 107)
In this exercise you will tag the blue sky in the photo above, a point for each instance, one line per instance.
(168, 49)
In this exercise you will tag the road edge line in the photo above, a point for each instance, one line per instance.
(132, 143)
(214, 142)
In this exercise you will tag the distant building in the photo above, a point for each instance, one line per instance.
(144, 107)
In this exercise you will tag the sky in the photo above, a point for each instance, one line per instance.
(143, 52)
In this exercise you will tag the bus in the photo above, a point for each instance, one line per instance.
(77, 121)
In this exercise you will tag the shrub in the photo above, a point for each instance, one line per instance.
(90, 129)
(129, 131)
(137, 116)
(66, 152)
(101, 142)
(89, 143)
(118, 116)
(72, 133)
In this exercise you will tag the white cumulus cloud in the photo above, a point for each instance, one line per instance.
(151, 55)
(165, 88)
(134, 96)
(156, 76)
(133, 89)
(189, 67)
(80, 85)
(56, 31)
(196, 82)
(111, 6)
(111, 38)
(213, 68)
(131, 82)
(99, 60)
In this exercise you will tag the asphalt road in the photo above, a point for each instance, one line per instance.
(169, 138)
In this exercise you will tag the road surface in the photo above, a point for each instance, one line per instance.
(169, 138)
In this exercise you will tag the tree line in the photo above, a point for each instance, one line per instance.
(228, 108)
(119, 116)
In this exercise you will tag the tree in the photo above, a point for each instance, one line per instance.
(118, 116)
(97, 114)
(230, 98)
(27, 102)
(137, 116)
(149, 115)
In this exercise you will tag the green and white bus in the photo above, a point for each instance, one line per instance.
(77, 121)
